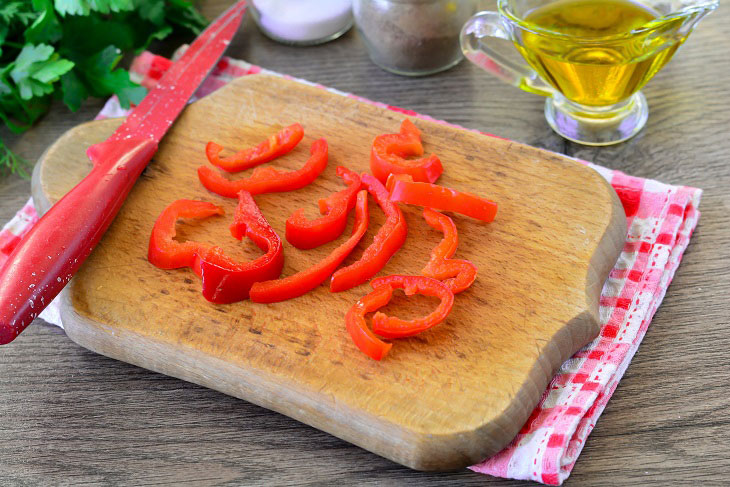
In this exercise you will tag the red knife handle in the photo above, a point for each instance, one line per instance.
(51, 253)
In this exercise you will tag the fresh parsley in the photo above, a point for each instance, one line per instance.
(70, 50)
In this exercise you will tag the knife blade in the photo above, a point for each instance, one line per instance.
(54, 249)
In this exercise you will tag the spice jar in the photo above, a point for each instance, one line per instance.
(413, 37)
(302, 22)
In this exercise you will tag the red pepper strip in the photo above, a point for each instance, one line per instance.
(227, 281)
(389, 151)
(390, 327)
(165, 252)
(273, 147)
(306, 280)
(308, 234)
(387, 241)
(441, 198)
(365, 340)
(456, 273)
(267, 179)
(196, 264)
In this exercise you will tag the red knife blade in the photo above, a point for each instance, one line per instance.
(54, 249)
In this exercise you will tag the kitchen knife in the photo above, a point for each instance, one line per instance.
(51, 253)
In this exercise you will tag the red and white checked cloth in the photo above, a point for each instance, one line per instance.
(660, 219)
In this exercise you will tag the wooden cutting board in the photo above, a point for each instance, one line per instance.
(442, 400)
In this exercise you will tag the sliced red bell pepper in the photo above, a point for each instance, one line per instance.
(308, 234)
(165, 252)
(227, 281)
(440, 197)
(389, 152)
(365, 340)
(273, 147)
(306, 280)
(391, 327)
(458, 274)
(268, 179)
(387, 241)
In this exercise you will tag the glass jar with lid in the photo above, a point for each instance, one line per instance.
(413, 37)
(302, 22)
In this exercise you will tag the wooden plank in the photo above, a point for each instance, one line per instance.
(441, 400)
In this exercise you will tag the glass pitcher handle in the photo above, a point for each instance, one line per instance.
(490, 24)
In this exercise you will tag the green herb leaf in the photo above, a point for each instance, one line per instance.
(13, 163)
(32, 54)
(152, 11)
(107, 6)
(36, 69)
(182, 13)
(5, 88)
(19, 114)
(160, 34)
(73, 91)
(85, 36)
(103, 80)
(12, 12)
(3, 35)
(84, 7)
(72, 7)
(46, 27)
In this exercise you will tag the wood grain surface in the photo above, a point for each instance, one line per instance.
(443, 400)
(71, 416)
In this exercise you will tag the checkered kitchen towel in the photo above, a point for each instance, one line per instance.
(660, 218)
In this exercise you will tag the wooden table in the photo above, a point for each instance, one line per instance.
(70, 416)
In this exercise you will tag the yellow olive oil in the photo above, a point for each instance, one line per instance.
(591, 63)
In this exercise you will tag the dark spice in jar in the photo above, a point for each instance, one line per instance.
(413, 37)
